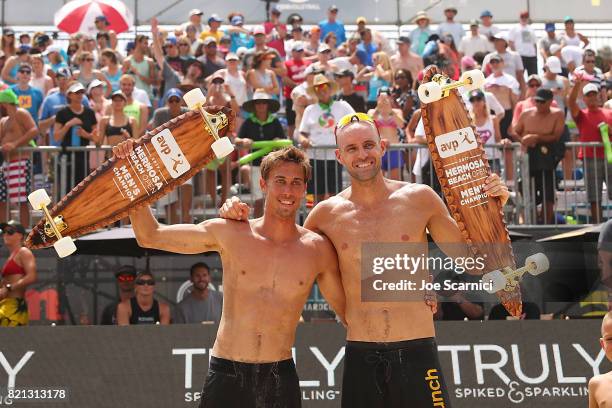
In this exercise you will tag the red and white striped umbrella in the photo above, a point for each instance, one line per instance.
(79, 16)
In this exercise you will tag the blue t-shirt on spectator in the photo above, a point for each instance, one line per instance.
(241, 40)
(51, 105)
(31, 99)
(336, 27)
(375, 83)
(368, 50)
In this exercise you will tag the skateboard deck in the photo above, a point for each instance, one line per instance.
(461, 166)
(162, 159)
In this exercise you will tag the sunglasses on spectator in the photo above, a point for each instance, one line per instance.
(541, 102)
(533, 85)
(475, 99)
(321, 87)
(126, 278)
(183, 45)
(148, 282)
(397, 78)
(9, 231)
(89, 59)
(589, 61)
(174, 99)
(218, 81)
(25, 71)
(495, 61)
(353, 117)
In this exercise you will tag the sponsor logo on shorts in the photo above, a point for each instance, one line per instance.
(170, 153)
(456, 142)
(433, 382)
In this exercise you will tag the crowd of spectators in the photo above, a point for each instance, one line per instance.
(289, 80)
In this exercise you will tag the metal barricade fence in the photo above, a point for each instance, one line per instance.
(576, 187)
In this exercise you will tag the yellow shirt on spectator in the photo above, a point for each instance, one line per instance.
(217, 36)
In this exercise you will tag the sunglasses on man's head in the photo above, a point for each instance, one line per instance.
(126, 278)
(353, 117)
(148, 282)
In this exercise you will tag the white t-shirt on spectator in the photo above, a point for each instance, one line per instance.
(503, 80)
(141, 96)
(422, 153)
(455, 29)
(343, 63)
(319, 125)
(490, 100)
(512, 62)
(572, 53)
(488, 31)
(524, 40)
(470, 45)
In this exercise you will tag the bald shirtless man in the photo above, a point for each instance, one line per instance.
(600, 386)
(17, 128)
(391, 356)
(537, 128)
(269, 266)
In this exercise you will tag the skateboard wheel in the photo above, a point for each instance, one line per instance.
(39, 198)
(537, 264)
(497, 279)
(430, 92)
(222, 147)
(194, 98)
(474, 79)
(64, 247)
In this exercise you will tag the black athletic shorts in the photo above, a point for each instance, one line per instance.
(326, 178)
(232, 384)
(393, 375)
(505, 123)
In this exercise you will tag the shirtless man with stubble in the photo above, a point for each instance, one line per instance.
(269, 267)
(391, 357)
(17, 129)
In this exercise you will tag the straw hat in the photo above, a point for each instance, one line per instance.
(321, 79)
(421, 15)
(258, 96)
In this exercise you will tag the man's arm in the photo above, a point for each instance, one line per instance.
(29, 127)
(164, 314)
(573, 97)
(593, 383)
(329, 279)
(29, 266)
(158, 54)
(123, 314)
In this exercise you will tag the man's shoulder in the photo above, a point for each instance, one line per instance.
(601, 379)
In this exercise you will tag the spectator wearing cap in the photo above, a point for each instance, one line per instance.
(314, 41)
(240, 36)
(347, 92)
(261, 76)
(366, 47)
(571, 37)
(214, 23)
(261, 124)
(276, 32)
(295, 68)
(53, 102)
(171, 76)
(550, 39)
(11, 67)
(406, 59)
(138, 104)
(202, 304)
(125, 277)
(75, 125)
(17, 129)
(55, 58)
(117, 126)
(301, 98)
(381, 41)
(513, 63)
(143, 308)
(488, 29)
(538, 129)
(589, 70)
(588, 120)
(522, 39)
(30, 98)
(276, 65)
(141, 67)
(102, 24)
(570, 56)
(184, 47)
(8, 42)
(534, 82)
(420, 35)
(210, 59)
(296, 37)
(235, 79)
(380, 76)
(552, 79)
(40, 80)
(324, 56)
(17, 274)
(450, 25)
(25, 39)
(87, 73)
(42, 41)
(474, 42)
(317, 129)
(333, 25)
(487, 127)
(195, 20)
(99, 104)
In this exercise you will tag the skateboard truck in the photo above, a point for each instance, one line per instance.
(441, 85)
(507, 279)
(64, 246)
(195, 99)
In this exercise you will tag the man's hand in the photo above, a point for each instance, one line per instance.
(495, 187)
(245, 143)
(530, 140)
(8, 147)
(74, 122)
(234, 209)
(431, 299)
(154, 26)
(123, 149)
(305, 142)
